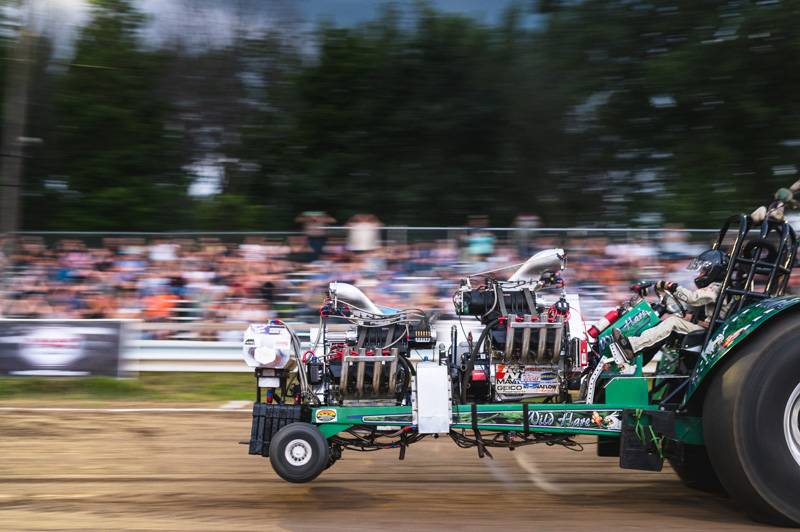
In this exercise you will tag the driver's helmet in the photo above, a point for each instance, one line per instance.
(711, 265)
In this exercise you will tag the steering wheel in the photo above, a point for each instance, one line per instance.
(672, 303)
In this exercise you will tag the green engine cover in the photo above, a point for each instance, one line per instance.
(733, 332)
(633, 323)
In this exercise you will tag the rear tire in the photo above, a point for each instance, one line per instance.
(299, 452)
(696, 471)
(748, 425)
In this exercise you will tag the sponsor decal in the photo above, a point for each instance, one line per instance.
(516, 379)
(383, 419)
(577, 420)
(597, 420)
(632, 325)
(326, 415)
(52, 346)
(732, 338)
(712, 346)
(611, 421)
(633, 320)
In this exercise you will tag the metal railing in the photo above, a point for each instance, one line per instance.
(225, 356)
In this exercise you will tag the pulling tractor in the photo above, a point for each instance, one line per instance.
(722, 406)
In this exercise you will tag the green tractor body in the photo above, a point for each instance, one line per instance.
(734, 332)
(723, 405)
(633, 323)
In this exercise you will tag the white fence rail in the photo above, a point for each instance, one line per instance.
(183, 355)
(188, 355)
(219, 356)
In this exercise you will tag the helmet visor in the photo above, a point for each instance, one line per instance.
(699, 265)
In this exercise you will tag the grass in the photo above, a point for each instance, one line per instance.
(188, 387)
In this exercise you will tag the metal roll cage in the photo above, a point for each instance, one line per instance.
(737, 289)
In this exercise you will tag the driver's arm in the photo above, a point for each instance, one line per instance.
(698, 298)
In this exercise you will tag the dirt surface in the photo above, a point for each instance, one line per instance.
(185, 471)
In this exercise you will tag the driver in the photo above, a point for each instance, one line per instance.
(711, 265)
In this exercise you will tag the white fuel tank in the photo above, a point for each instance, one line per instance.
(267, 346)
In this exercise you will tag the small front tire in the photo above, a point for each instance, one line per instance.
(299, 452)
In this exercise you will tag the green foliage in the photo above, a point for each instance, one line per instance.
(419, 123)
(231, 212)
(612, 111)
(700, 103)
(111, 140)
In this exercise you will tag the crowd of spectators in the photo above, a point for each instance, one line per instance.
(211, 280)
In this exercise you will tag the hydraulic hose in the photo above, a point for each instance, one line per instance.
(472, 356)
(409, 371)
(305, 389)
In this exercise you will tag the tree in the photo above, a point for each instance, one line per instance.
(120, 159)
(609, 112)
(689, 109)
(422, 122)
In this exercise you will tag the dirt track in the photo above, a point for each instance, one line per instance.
(180, 471)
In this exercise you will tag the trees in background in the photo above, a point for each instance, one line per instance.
(427, 122)
(695, 111)
(608, 112)
(113, 158)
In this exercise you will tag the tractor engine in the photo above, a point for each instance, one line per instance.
(370, 361)
(525, 350)
(360, 354)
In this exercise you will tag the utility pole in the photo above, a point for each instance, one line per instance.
(15, 110)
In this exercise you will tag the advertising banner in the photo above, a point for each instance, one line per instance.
(60, 347)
